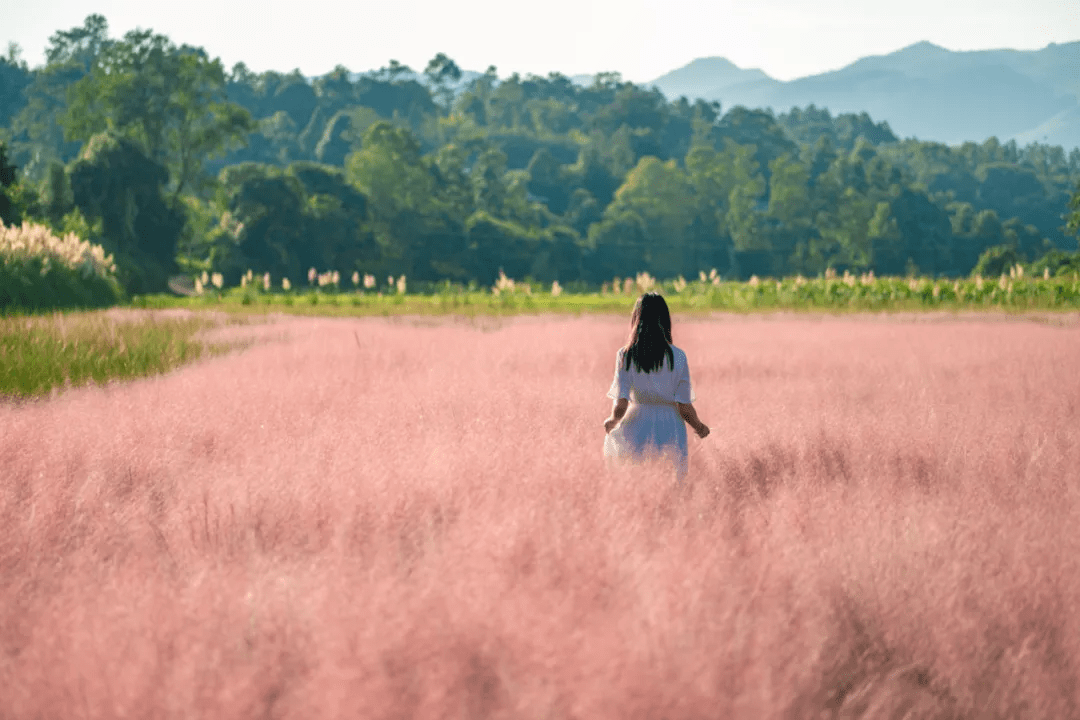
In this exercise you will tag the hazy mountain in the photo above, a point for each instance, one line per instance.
(923, 91)
(706, 76)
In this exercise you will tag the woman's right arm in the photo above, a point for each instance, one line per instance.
(689, 414)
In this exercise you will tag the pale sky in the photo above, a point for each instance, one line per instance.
(638, 38)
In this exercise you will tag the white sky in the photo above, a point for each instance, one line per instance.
(638, 38)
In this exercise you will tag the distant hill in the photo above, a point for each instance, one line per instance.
(705, 76)
(922, 91)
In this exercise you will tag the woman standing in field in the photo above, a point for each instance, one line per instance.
(652, 392)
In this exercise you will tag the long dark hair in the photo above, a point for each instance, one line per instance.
(649, 341)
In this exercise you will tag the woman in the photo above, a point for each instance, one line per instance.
(652, 392)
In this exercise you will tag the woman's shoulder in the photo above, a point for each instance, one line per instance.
(680, 356)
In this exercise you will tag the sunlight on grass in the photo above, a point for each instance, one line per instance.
(828, 293)
(40, 354)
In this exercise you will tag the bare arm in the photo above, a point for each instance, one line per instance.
(689, 414)
(617, 412)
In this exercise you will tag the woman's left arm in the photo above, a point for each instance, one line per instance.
(617, 412)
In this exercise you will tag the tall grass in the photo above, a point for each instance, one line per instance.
(41, 271)
(1014, 292)
(46, 353)
(383, 519)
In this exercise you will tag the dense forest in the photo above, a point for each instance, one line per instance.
(175, 164)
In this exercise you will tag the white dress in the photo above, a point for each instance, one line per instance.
(652, 424)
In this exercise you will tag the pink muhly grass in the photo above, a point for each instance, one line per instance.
(362, 518)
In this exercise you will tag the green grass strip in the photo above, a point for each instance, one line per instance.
(43, 353)
(823, 294)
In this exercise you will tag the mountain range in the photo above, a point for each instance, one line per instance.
(923, 91)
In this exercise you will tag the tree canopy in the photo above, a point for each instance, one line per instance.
(168, 100)
(1073, 220)
(447, 174)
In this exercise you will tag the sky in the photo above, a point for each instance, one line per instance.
(639, 39)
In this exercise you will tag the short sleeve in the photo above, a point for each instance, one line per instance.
(620, 384)
(684, 391)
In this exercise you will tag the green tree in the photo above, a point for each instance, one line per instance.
(334, 89)
(392, 173)
(583, 211)
(56, 195)
(911, 232)
(548, 117)
(15, 76)
(489, 183)
(116, 183)
(442, 72)
(996, 261)
(168, 100)
(334, 144)
(845, 232)
(846, 201)
(337, 217)
(548, 181)
(728, 190)
(887, 247)
(973, 232)
(36, 130)
(616, 245)
(1017, 191)
(657, 200)
(789, 218)
(717, 175)
(285, 221)
(599, 173)
(453, 186)
(390, 170)
(263, 225)
(80, 45)
(276, 139)
(744, 216)
(757, 128)
(9, 211)
(393, 71)
(1072, 220)
(496, 244)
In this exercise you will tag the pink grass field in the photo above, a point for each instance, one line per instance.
(396, 519)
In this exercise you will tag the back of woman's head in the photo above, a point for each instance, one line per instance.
(650, 334)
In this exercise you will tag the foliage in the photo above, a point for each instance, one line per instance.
(807, 126)
(1038, 287)
(462, 174)
(1073, 219)
(996, 261)
(36, 130)
(40, 271)
(1056, 263)
(14, 77)
(170, 101)
(284, 222)
(113, 182)
(9, 211)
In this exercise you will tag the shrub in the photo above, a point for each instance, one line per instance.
(40, 271)
(1056, 263)
(996, 260)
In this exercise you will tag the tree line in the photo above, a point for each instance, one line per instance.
(175, 164)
